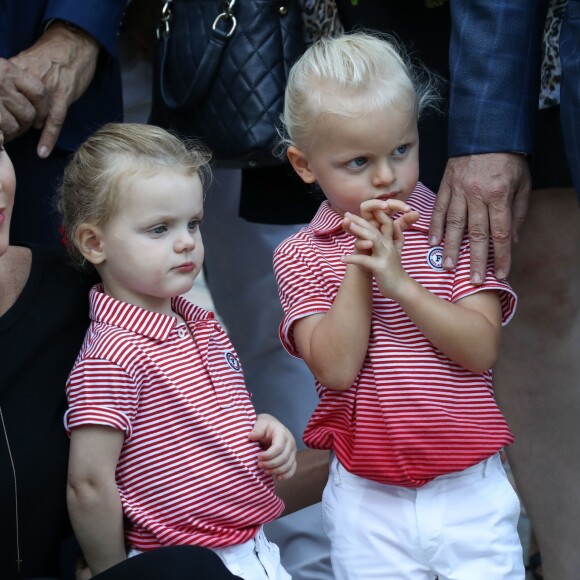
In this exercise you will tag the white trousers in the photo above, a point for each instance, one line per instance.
(460, 526)
(256, 559)
(240, 276)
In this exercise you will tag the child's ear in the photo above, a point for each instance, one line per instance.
(88, 239)
(301, 165)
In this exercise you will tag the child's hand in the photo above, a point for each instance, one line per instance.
(374, 211)
(279, 456)
(371, 209)
(378, 248)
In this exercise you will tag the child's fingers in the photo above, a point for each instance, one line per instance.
(402, 223)
(279, 462)
(358, 226)
(362, 260)
(369, 207)
(282, 447)
(396, 205)
(269, 455)
(407, 219)
(283, 470)
(363, 245)
(365, 239)
(288, 472)
(385, 222)
(389, 206)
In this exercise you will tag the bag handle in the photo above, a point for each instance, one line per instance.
(207, 67)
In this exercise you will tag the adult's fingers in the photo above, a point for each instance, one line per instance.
(35, 92)
(478, 229)
(439, 216)
(500, 227)
(455, 227)
(520, 208)
(504, 180)
(10, 126)
(22, 111)
(52, 127)
(22, 93)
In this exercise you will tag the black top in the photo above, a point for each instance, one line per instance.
(40, 337)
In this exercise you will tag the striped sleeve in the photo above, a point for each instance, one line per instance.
(463, 287)
(300, 291)
(100, 392)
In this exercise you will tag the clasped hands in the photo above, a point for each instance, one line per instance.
(38, 85)
(379, 242)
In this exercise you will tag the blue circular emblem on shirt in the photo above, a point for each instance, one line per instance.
(233, 361)
(435, 258)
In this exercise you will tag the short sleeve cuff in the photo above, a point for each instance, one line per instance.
(81, 416)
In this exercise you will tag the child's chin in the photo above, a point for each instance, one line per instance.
(185, 287)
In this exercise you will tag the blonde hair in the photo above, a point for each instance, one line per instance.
(350, 75)
(92, 180)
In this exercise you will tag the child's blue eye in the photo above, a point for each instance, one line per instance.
(358, 162)
(193, 225)
(158, 229)
(401, 150)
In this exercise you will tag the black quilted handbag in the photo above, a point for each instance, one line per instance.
(220, 72)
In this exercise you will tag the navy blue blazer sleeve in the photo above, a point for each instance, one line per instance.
(102, 101)
(494, 60)
(100, 18)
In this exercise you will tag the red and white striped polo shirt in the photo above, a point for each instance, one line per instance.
(187, 472)
(412, 414)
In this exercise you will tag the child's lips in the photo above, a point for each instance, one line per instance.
(185, 267)
(387, 196)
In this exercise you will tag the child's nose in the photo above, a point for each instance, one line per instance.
(384, 174)
(184, 241)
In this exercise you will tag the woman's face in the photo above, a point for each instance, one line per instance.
(7, 187)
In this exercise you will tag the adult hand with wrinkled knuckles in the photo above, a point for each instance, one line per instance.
(487, 194)
(22, 100)
(64, 60)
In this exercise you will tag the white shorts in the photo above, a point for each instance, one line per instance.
(256, 559)
(460, 526)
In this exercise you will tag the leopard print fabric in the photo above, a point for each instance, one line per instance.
(320, 19)
(551, 68)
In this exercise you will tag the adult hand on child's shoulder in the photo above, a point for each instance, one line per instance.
(487, 195)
